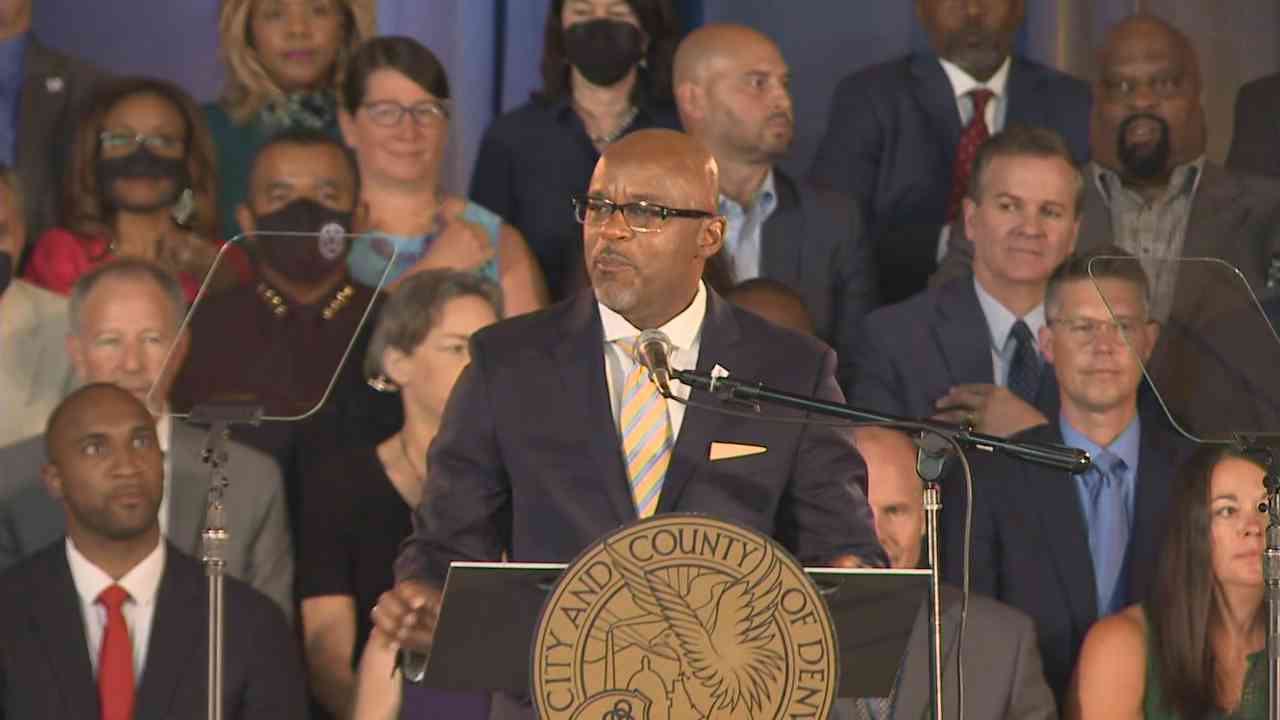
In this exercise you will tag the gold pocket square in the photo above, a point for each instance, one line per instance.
(727, 450)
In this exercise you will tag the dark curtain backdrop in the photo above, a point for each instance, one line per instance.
(491, 47)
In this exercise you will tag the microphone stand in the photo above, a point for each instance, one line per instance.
(929, 466)
(215, 537)
(1270, 565)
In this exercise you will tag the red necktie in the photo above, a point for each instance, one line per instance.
(115, 663)
(970, 138)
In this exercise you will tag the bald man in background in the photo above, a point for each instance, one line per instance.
(535, 471)
(1002, 669)
(732, 88)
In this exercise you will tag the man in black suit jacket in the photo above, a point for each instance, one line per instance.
(149, 653)
(950, 352)
(1255, 143)
(894, 128)
(1066, 549)
(731, 88)
(529, 459)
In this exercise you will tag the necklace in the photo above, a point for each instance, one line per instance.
(630, 117)
(280, 308)
(404, 451)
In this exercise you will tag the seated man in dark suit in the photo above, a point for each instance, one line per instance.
(1002, 673)
(966, 351)
(1255, 143)
(731, 86)
(124, 316)
(1150, 189)
(111, 622)
(1068, 550)
(530, 462)
(901, 135)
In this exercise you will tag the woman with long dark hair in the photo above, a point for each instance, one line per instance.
(1195, 648)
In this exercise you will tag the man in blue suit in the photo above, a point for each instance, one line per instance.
(900, 134)
(531, 461)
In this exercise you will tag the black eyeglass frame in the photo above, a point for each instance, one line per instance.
(580, 201)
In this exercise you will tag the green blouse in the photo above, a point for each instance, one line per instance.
(1253, 699)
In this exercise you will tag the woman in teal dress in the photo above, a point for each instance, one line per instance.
(1195, 648)
(395, 115)
(284, 63)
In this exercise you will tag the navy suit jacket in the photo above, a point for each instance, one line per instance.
(891, 140)
(528, 458)
(1031, 543)
(816, 243)
(45, 671)
(908, 355)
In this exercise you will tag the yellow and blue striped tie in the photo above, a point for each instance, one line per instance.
(646, 434)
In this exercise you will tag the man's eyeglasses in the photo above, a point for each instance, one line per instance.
(639, 216)
(1084, 331)
(128, 142)
(388, 113)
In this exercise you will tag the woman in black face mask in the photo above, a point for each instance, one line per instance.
(606, 71)
(140, 182)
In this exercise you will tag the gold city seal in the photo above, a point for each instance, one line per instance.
(684, 617)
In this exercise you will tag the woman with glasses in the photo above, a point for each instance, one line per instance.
(1196, 647)
(284, 63)
(395, 115)
(140, 182)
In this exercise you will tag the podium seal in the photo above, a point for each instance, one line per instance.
(684, 617)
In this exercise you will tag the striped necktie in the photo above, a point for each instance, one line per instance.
(646, 434)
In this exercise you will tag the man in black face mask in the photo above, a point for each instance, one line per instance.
(277, 342)
(34, 372)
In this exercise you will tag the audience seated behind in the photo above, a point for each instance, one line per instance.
(359, 502)
(34, 371)
(606, 71)
(139, 154)
(897, 132)
(395, 116)
(1255, 149)
(1068, 550)
(1150, 188)
(124, 317)
(1002, 670)
(774, 302)
(732, 91)
(1195, 646)
(116, 602)
(283, 64)
(966, 352)
(45, 90)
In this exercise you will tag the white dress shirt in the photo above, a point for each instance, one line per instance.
(685, 333)
(142, 583)
(1000, 322)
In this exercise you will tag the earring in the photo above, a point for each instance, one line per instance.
(383, 384)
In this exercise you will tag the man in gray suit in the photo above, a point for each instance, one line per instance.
(34, 372)
(731, 87)
(124, 316)
(1150, 189)
(1002, 668)
(41, 91)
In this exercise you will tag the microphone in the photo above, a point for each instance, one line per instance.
(653, 349)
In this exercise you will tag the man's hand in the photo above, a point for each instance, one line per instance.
(406, 615)
(988, 409)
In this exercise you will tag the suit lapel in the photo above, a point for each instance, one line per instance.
(1022, 92)
(579, 360)
(1157, 459)
(914, 692)
(780, 250)
(1214, 214)
(21, 359)
(934, 94)
(958, 320)
(56, 613)
(178, 629)
(188, 488)
(719, 334)
(1095, 218)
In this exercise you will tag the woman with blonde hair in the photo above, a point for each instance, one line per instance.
(285, 60)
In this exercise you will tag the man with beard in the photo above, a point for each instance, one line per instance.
(731, 86)
(901, 135)
(531, 462)
(1150, 189)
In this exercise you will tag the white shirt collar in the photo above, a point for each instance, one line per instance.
(1000, 319)
(682, 330)
(962, 82)
(164, 430)
(142, 582)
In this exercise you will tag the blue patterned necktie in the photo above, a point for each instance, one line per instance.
(1109, 529)
(1024, 368)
